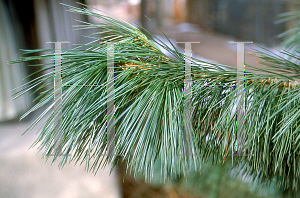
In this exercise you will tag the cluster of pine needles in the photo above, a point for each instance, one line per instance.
(149, 107)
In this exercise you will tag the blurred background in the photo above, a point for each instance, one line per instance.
(29, 24)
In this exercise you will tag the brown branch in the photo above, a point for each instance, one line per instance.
(226, 149)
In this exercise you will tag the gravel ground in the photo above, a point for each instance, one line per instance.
(23, 172)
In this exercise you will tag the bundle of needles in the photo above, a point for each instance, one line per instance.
(149, 107)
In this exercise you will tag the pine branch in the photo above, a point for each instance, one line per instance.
(149, 107)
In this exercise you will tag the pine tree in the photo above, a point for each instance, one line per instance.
(149, 107)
